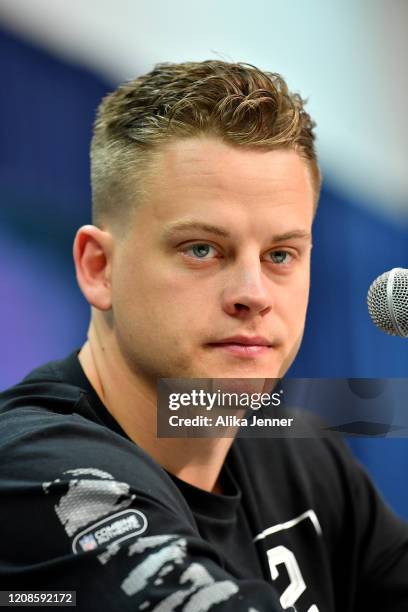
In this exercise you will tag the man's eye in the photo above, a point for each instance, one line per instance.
(201, 251)
(281, 257)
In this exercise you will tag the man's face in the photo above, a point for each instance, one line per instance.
(212, 277)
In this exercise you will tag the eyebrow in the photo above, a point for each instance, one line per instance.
(195, 225)
(219, 231)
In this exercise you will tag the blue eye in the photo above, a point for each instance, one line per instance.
(281, 257)
(201, 251)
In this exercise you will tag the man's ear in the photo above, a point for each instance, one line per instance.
(93, 249)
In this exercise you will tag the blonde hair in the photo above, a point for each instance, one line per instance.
(236, 102)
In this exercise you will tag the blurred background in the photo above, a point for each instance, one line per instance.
(58, 59)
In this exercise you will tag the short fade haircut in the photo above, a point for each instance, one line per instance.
(235, 102)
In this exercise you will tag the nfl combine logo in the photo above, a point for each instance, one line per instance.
(88, 542)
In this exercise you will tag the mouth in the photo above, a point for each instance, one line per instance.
(243, 346)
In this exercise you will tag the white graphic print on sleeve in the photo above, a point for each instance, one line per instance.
(94, 510)
(91, 495)
(198, 590)
(138, 578)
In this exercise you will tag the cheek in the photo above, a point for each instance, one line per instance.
(303, 285)
(153, 299)
(296, 305)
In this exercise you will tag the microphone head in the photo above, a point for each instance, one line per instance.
(387, 301)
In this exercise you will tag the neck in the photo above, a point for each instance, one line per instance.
(132, 401)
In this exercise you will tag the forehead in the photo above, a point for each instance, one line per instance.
(205, 176)
(207, 157)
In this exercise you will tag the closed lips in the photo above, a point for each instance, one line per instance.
(243, 341)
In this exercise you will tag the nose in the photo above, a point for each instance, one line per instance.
(248, 291)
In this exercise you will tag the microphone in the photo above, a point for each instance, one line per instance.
(387, 301)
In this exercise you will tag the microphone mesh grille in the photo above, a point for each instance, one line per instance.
(379, 307)
(400, 300)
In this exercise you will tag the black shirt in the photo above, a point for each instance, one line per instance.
(84, 508)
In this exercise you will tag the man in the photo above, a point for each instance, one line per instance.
(205, 184)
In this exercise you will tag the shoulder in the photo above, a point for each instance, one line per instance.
(50, 434)
(305, 450)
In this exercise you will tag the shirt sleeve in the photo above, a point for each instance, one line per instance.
(86, 510)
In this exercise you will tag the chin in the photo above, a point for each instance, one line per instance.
(245, 371)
